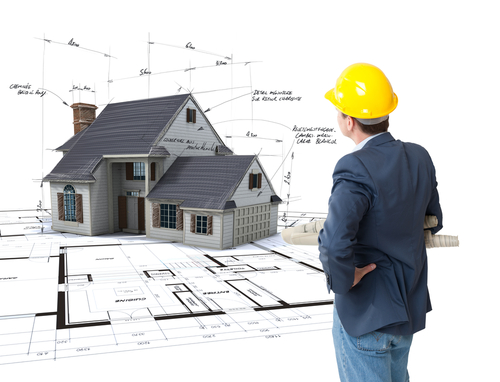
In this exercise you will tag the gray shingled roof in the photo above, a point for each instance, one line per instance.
(124, 128)
(203, 181)
(223, 150)
(69, 143)
(158, 151)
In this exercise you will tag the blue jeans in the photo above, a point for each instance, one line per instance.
(372, 357)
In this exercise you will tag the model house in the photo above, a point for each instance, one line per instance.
(157, 166)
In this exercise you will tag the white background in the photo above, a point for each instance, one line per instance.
(443, 62)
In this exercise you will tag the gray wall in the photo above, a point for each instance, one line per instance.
(209, 241)
(99, 201)
(244, 196)
(273, 229)
(190, 135)
(227, 226)
(162, 233)
(73, 227)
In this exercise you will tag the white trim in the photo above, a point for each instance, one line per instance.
(208, 211)
(145, 156)
(68, 181)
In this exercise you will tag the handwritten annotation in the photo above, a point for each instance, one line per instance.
(317, 135)
(26, 90)
(192, 145)
(273, 95)
(84, 88)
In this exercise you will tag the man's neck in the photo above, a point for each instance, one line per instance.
(362, 143)
(359, 137)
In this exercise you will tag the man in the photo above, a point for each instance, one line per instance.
(372, 243)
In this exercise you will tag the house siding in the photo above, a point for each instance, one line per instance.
(158, 172)
(244, 196)
(71, 227)
(99, 201)
(256, 217)
(274, 220)
(163, 233)
(209, 241)
(228, 227)
(187, 139)
(118, 172)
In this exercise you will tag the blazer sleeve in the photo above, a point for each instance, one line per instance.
(434, 208)
(351, 197)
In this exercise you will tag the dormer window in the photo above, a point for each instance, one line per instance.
(255, 181)
(191, 115)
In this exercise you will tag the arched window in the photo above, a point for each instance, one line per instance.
(69, 204)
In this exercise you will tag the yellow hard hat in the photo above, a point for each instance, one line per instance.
(363, 91)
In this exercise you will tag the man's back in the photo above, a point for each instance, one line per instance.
(380, 197)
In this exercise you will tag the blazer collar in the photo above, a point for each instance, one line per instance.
(381, 139)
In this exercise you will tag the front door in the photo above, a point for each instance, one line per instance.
(131, 214)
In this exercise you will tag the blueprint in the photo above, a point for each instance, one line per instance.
(66, 295)
(57, 323)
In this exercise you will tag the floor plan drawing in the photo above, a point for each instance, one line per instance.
(65, 295)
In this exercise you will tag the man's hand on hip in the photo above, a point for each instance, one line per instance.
(359, 273)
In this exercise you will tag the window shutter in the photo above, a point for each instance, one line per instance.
(193, 222)
(79, 208)
(60, 205)
(122, 212)
(156, 215)
(140, 214)
(191, 115)
(129, 171)
(179, 219)
(259, 181)
(209, 225)
(251, 181)
(153, 171)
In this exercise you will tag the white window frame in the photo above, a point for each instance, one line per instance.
(201, 226)
(139, 171)
(171, 211)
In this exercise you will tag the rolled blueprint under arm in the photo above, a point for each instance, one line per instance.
(307, 234)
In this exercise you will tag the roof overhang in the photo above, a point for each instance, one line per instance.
(68, 181)
(121, 156)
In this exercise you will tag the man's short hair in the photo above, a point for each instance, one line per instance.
(372, 129)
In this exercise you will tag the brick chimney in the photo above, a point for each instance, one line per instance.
(83, 116)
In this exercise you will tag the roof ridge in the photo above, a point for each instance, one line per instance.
(148, 99)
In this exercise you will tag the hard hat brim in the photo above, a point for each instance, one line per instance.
(331, 96)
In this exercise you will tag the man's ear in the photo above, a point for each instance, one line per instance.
(350, 123)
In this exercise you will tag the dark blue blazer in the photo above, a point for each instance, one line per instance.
(376, 212)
